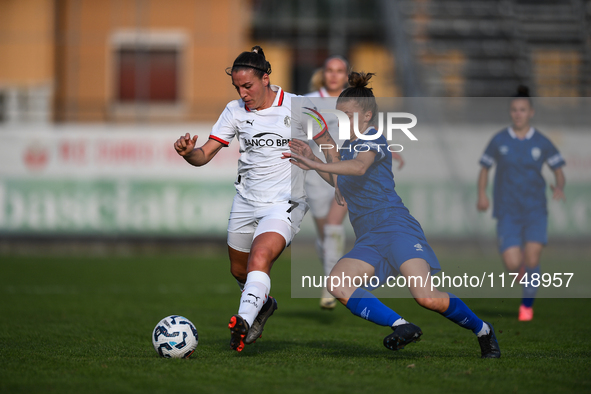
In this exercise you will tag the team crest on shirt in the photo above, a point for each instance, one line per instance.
(536, 152)
(504, 149)
(287, 121)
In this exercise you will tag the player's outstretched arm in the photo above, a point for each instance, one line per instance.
(185, 147)
(558, 189)
(482, 204)
(328, 147)
(303, 149)
(356, 167)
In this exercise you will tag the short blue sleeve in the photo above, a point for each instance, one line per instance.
(552, 156)
(378, 146)
(489, 157)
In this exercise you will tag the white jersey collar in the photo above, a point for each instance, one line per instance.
(528, 135)
(278, 102)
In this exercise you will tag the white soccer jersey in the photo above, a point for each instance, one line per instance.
(322, 92)
(263, 176)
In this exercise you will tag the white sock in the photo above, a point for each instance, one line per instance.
(399, 322)
(484, 330)
(333, 248)
(240, 284)
(254, 295)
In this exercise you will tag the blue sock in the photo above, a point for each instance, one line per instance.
(459, 313)
(529, 291)
(364, 304)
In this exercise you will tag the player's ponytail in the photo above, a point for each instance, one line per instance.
(360, 93)
(255, 60)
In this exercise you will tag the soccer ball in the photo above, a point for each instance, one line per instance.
(175, 337)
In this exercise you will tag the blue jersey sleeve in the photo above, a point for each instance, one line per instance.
(489, 157)
(378, 147)
(552, 156)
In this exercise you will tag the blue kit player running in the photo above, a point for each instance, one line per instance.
(519, 196)
(390, 241)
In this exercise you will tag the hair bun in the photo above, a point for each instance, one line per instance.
(359, 80)
(259, 50)
(522, 91)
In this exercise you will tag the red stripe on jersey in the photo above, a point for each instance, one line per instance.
(246, 108)
(221, 141)
(280, 99)
(324, 130)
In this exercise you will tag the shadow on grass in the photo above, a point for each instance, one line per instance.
(319, 316)
(336, 349)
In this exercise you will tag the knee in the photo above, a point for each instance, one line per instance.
(433, 304)
(260, 260)
(336, 292)
(512, 263)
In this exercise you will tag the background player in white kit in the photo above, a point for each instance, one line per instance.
(270, 201)
(328, 215)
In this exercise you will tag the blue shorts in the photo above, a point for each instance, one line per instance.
(388, 246)
(517, 230)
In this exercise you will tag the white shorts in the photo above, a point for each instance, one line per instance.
(320, 194)
(248, 219)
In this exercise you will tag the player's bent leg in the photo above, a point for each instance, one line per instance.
(238, 264)
(319, 223)
(327, 301)
(417, 274)
(532, 253)
(365, 305)
(238, 251)
(256, 306)
(333, 246)
(512, 258)
(416, 271)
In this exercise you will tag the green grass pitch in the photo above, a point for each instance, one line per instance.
(83, 325)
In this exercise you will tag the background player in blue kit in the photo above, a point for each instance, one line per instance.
(519, 196)
(389, 239)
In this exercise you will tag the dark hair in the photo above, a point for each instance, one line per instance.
(360, 93)
(523, 93)
(255, 60)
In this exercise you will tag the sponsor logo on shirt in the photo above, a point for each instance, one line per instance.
(266, 139)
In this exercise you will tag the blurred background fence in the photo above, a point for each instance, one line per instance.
(94, 92)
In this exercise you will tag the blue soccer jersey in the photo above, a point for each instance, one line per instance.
(519, 186)
(370, 197)
(387, 234)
